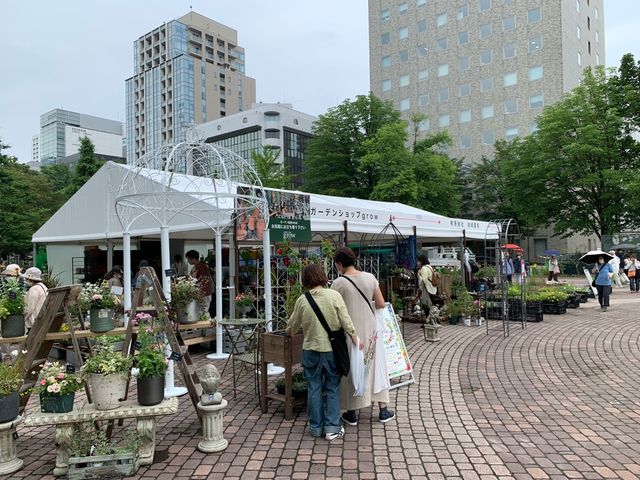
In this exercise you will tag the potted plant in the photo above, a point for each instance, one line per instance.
(185, 295)
(244, 303)
(100, 302)
(12, 309)
(57, 388)
(461, 307)
(10, 383)
(106, 373)
(152, 365)
(299, 385)
(116, 341)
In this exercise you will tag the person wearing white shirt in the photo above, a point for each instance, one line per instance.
(615, 264)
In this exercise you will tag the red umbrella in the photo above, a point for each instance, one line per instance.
(512, 246)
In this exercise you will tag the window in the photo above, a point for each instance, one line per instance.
(535, 73)
(423, 75)
(597, 37)
(404, 80)
(511, 106)
(421, 3)
(589, 47)
(579, 59)
(578, 5)
(487, 112)
(465, 141)
(597, 59)
(463, 37)
(386, 85)
(509, 23)
(423, 100)
(536, 101)
(535, 43)
(465, 116)
(511, 133)
(486, 84)
(485, 5)
(510, 79)
(384, 38)
(402, 8)
(404, 55)
(442, 44)
(386, 61)
(443, 94)
(578, 32)
(405, 104)
(596, 12)
(441, 20)
(385, 15)
(443, 121)
(485, 57)
(509, 50)
(463, 63)
(464, 90)
(488, 138)
(422, 50)
(533, 128)
(463, 11)
(403, 33)
(424, 125)
(421, 26)
(443, 69)
(534, 15)
(486, 30)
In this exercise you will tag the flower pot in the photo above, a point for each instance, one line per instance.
(189, 313)
(150, 390)
(454, 319)
(107, 390)
(56, 403)
(243, 309)
(13, 326)
(101, 320)
(9, 405)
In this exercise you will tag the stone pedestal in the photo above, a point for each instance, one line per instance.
(431, 333)
(9, 461)
(212, 427)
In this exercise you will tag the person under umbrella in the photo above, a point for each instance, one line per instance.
(604, 272)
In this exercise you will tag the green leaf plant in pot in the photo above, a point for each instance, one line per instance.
(106, 372)
(185, 298)
(12, 308)
(10, 383)
(152, 365)
(57, 388)
(100, 302)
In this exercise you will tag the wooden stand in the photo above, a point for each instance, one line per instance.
(284, 350)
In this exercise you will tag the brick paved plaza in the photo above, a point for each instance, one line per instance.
(557, 400)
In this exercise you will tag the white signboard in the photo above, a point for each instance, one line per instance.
(105, 143)
(587, 274)
(398, 363)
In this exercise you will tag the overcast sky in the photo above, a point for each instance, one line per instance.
(76, 54)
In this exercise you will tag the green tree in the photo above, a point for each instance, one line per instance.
(59, 176)
(87, 166)
(334, 156)
(270, 172)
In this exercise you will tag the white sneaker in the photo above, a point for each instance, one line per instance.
(333, 436)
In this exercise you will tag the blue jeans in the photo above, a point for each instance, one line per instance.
(323, 411)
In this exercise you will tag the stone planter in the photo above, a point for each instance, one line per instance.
(9, 407)
(13, 326)
(101, 320)
(189, 313)
(56, 403)
(150, 390)
(107, 390)
(243, 310)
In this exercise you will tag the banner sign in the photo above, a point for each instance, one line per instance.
(289, 218)
(398, 362)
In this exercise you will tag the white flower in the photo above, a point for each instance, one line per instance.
(14, 353)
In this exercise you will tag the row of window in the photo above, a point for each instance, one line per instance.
(488, 137)
(463, 10)
(534, 15)
(510, 106)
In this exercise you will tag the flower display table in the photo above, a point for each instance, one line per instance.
(64, 423)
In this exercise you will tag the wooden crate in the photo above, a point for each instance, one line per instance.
(107, 466)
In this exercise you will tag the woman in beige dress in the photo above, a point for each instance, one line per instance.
(360, 307)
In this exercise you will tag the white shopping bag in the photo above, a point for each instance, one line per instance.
(624, 279)
(358, 372)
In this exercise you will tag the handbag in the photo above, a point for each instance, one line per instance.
(631, 274)
(337, 339)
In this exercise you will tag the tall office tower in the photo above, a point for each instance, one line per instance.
(481, 69)
(187, 71)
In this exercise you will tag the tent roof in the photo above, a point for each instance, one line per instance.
(90, 214)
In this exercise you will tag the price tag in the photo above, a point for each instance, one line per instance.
(71, 368)
(175, 356)
(170, 272)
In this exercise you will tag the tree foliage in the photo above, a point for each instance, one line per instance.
(87, 166)
(270, 172)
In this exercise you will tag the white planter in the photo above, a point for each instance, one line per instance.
(107, 390)
(467, 322)
(189, 313)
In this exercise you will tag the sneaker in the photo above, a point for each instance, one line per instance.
(350, 417)
(604, 309)
(386, 415)
(333, 436)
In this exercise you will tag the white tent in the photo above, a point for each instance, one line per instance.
(90, 215)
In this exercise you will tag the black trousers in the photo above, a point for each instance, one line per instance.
(603, 294)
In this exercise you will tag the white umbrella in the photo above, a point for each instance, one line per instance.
(593, 255)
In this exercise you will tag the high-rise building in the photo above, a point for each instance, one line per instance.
(35, 148)
(187, 71)
(61, 131)
(481, 69)
(271, 125)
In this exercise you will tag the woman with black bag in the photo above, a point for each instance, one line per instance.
(319, 310)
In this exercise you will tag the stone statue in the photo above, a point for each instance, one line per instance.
(210, 380)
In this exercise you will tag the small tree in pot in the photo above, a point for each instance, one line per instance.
(152, 366)
(12, 309)
(106, 372)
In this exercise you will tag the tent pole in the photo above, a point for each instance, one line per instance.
(109, 254)
(166, 261)
(233, 266)
(346, 234)
(126, 264)
(219, 355)
(268, 306)
(463, 270)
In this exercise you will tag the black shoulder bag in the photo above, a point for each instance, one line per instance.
(337, 339)
(360, 292)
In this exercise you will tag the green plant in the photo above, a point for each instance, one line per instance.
(462, 305)
(12, 299)
(89, 442)
(183, 291)
(487, 272)
(96, 296)
(150, 360)
(298, 383)
(50, 279)
(56, 381)
(10, 378)
(105, 361)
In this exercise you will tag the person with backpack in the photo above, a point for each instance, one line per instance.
(427, 276)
